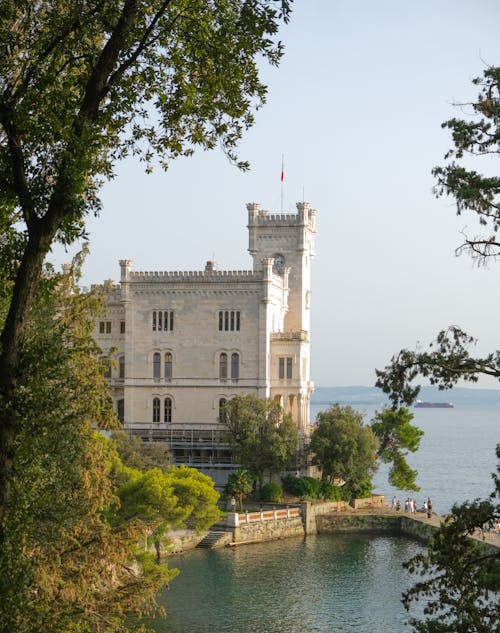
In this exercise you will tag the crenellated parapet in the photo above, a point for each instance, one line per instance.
(258, 217)
(194, 276)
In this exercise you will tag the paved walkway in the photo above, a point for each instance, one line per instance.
(491, 538)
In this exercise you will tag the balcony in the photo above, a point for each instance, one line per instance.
(301, 335)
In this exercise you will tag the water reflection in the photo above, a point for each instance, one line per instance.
(324, 583)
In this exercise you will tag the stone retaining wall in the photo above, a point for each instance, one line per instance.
(268, 530)
(330, 518)
(350, 522)
(417, 529)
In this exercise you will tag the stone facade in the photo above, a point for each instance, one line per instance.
(185, 342)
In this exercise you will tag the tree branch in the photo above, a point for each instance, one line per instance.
(144, 43)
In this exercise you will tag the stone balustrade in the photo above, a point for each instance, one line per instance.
(234, 519)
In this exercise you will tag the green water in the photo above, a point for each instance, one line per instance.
(325, 583)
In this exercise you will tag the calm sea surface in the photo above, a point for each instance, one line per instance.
(334, 583)
(327, 584)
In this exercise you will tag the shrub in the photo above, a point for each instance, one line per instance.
(331, 492)
(362, 489)
(292, 485)
(311, 487)
(302, 487)
(271, 492)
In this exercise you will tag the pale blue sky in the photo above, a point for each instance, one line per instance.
(356, 108)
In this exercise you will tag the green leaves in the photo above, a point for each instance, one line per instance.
(460, 577)
(262, 437)
(447, 362)
(239, 483)
(343, 447)
(397, 436)
(478, 137)
(161, 500)
(82, 85)
(62, 559)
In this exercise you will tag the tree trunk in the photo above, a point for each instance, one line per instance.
(11, 344)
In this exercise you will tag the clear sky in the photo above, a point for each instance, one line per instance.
(355, 107)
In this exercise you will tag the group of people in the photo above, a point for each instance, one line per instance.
(489, 529)
(410, 505)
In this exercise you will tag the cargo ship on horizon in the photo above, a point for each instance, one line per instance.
(419, 404)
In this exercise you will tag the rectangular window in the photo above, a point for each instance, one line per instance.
(163, 320)
(121, 367)
(167, 417)
(229, 321)
(122, 327)
(235, 366)
(120, 409)
(106, 367)
(285, 362)
(104, 327)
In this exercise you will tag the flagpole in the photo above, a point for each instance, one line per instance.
(282, 179)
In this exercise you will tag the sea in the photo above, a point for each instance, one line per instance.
(336, 583)
(456, 457)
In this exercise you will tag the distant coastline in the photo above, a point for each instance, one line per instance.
(362, 395)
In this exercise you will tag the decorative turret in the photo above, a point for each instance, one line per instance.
(125, 265)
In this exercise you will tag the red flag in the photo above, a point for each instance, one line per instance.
(282, 171)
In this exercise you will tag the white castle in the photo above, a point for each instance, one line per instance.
(186, 342)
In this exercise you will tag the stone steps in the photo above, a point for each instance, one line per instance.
(211, 538)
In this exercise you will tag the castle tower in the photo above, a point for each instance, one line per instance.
(288, 239)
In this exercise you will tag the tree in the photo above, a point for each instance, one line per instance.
(344, 448)
(65, 565)
(157, 501)
(449, 359)
(263, 439)
(397, 436)
(477, 136)
(460, 583)
(83, 84)
(239, 483)
(141, 455)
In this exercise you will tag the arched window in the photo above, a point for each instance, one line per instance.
(167, 411)
(121, 367)
(156, 409)
(120, 409)
(222, 410)
(235, 366)
(156, 365)
(168, 366)
(223, 366)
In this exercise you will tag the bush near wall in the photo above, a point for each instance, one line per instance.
(311, 488)
(271, 492)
